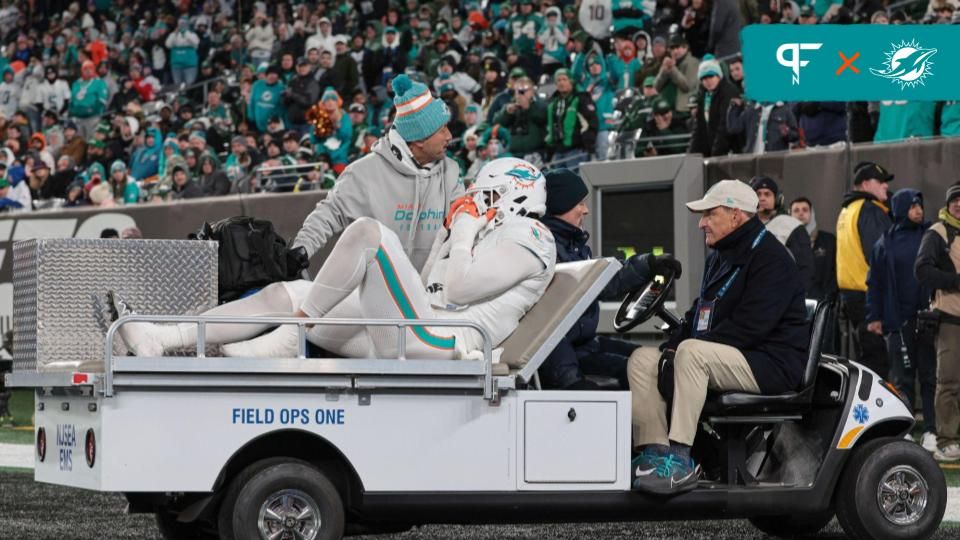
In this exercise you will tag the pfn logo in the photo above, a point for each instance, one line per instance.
(794, 62)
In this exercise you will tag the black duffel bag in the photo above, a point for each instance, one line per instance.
(251, 255)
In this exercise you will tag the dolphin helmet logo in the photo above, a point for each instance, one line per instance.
(907, 64)
(523, 175)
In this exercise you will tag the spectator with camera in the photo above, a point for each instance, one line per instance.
(937, 269)
(525, 118)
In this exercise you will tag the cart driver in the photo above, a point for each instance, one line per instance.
(746, 332)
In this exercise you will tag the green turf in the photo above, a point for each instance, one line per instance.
(952, 476)
(16, 436)
(15, 470)
(21, 407)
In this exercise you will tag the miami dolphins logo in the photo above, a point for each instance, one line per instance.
(524, 175)
(907, 64)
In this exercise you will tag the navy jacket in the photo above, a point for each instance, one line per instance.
(893, 293)
(762, 313)
(823, 122)
(571, 247)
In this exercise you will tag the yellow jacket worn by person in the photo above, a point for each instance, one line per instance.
(863, 220)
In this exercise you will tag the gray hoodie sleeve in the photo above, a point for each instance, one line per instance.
(344, 204)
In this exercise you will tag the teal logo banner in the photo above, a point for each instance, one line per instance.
(863, 62)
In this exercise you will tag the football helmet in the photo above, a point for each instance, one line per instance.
(510, 185)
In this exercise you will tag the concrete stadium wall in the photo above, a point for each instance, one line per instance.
(823, 175)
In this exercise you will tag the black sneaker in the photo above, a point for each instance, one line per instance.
(668, 475)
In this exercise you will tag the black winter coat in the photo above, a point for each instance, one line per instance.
(711, 138)
(300, 95)
(571, 247)
(762, 314)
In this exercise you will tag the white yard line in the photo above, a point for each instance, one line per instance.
(953, 504)
(16, 455)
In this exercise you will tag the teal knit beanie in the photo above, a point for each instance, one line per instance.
(419, 115)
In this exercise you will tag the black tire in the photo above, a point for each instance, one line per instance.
(856, 498)
(225, 513)
(790, 526)
(304, 483)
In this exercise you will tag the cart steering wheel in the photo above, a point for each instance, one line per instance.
(644, 303)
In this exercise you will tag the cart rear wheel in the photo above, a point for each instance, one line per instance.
(291, 499)
(891, 489)
(788, 526)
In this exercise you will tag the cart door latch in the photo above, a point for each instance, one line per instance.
(572, 414)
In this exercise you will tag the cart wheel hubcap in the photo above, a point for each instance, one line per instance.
(902, 495)
(289, 514)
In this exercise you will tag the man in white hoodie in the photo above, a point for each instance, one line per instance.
(323, 40)
(407, 183)
(260, 38)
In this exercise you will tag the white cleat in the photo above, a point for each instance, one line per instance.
(141, 338)
(279, 343)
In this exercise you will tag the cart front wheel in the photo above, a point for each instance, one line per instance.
(891, 489)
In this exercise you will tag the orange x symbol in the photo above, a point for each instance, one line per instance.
(848, 63)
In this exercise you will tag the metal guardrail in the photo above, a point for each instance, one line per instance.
(582, 156)
(283, 176)
(489, 387)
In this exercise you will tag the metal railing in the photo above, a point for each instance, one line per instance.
(280, 177)
(572, 158)
(489, 386)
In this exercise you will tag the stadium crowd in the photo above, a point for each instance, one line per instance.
(122, 102)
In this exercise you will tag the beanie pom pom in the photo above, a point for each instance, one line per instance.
(708, 56)
(401, 84)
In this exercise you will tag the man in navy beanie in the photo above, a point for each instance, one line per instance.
(581, 352)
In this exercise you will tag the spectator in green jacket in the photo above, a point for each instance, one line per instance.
(571, 123)
(183, 45)
(266, 99)
(601, 92)
(524, 118)
(677, 78)
(88, 99)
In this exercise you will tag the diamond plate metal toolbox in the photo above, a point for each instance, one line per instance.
(60, 309)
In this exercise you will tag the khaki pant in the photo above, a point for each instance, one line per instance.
(948, 384)
(697, 366)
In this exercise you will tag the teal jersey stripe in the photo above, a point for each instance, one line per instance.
(406, 308)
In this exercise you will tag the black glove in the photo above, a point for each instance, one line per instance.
(297, 261)
(663, 265)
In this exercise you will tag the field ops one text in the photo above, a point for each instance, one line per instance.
(286, 417)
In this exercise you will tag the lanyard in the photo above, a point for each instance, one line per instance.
(726, 286)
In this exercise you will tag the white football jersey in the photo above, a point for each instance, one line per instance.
(499, 314)
(596, 17)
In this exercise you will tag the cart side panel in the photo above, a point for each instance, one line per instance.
(156, 441)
